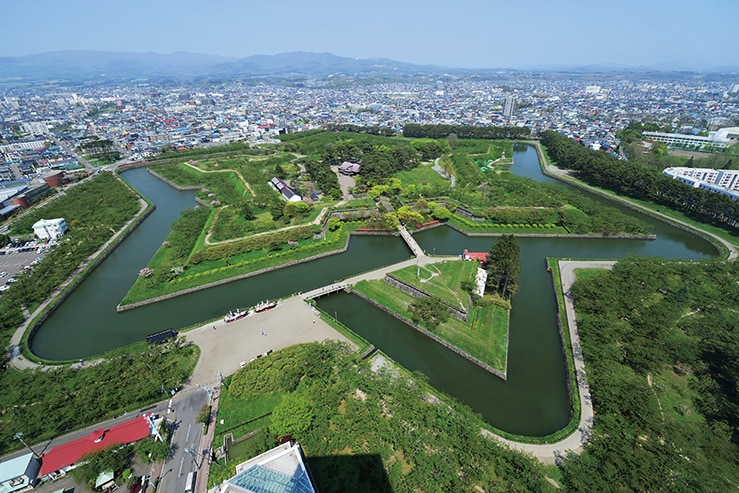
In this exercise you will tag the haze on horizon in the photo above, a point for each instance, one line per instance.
(663, 34)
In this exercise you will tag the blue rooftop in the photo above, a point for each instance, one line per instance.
(260, 479)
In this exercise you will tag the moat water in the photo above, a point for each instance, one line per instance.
(533, 401)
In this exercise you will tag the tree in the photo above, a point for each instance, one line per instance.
(504, 264)
(247, 212)
(292, 416)
(151, 450)
(275, 208)
(204, 415)
(114, 458)
(334, 223)
(280, 172)
(429, 310)
(409, 216)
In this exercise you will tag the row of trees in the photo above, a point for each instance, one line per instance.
(464, 132)
(323, 177)
(252, 243)
(102, 149)
(371, 130)
(641, 182)
(43, 404)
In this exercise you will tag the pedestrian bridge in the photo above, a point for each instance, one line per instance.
(324, 290)
(415, 247)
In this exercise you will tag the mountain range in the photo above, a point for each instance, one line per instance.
(112, 66)
(82, 65)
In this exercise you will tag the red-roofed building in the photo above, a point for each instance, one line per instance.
(478, 256)
(63, 456)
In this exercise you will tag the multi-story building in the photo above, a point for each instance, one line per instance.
(724, 178)
(721, 139)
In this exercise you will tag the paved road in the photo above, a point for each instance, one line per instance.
(187, 441)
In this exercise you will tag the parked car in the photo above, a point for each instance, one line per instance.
(12, 279)
(3, 274)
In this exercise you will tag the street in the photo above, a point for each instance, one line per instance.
(187, 435)
(187, 440)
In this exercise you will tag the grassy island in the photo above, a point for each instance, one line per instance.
(483, 336)
(244, 226)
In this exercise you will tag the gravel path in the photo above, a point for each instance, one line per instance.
(224, 348)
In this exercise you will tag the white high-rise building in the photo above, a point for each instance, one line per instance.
(508, 106)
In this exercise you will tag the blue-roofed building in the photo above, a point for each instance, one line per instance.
(279, 470)
(19, 473)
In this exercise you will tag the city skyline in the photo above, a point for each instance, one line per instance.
(468, 34)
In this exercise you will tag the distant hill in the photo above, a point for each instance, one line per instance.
(83, 65)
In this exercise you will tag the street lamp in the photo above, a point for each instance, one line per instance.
(19, 436)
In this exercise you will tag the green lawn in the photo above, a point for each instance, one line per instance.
(240, 416)
(209, 271)
(422, 174)
(485, 337)
(443, 280)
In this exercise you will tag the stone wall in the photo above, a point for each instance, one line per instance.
(454, 311)
(436, 338)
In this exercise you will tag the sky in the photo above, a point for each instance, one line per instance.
(675, 34)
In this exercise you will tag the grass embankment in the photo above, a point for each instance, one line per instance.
(373, 431)
(95, 210)
(553, 265)
(443, 280)
(361, 343)
(645, 206)
(484, 336)
(232, 267)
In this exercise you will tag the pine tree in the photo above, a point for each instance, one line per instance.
(504, 264)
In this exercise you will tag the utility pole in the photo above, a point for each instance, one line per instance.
(193, 453)
(19, 436)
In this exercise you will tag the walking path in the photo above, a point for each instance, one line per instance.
(317, 220)
(443, 173)
(551, 453)
(372, 275)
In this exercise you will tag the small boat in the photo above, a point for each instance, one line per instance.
(235, 315)
(264, 306)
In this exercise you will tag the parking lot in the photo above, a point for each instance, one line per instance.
(13, 262)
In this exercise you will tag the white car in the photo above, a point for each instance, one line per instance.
(3, 274)
(4, 288)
